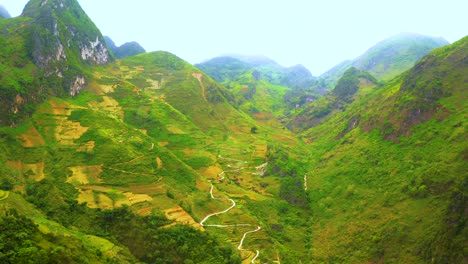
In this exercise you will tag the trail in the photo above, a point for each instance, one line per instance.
(233, 204)
(305, 182)
(217, 213)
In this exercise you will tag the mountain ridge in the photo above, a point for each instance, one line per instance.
(127, 49)
(136, 166)
(389, 57)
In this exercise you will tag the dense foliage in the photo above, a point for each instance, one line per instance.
(128, 170)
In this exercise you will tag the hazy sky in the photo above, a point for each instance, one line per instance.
(317, 34)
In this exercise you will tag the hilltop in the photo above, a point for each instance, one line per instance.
(127, 49)
(388, 58)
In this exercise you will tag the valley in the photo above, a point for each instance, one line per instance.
(146, 158)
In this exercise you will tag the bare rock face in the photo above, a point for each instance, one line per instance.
(77, 85)
(95, 52)
(64, 40)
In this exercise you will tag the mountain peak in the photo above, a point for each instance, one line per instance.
(63, 39)
(128, 49)
(33, 7)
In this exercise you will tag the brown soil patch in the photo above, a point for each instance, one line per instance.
(179, 215)
(37, 169)
(210, 172)
(154, 84)
(199, 77)
(68, 131)
(60, 108)
(132, 198)
(106, 88)
(32, 138)
(87, 146)
(104, 202)
(145, 211)
(202, 185)
(101, 199)
(34, 171)
(159, 162)
(87, 196)
(95, 188)
(85, 174)
(108, 105)
(263, 116)
(163, 143)
(261, 151)
(175, 130)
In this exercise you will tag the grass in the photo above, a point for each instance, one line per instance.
(4, 194)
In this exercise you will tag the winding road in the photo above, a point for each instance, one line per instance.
(233, 204)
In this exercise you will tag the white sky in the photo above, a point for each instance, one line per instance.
(317, 34)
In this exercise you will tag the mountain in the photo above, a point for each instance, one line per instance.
(124, 168)
(126, 50)
(4, 12)
(389, 57)
(262, 87)
(345, 93)
(230, 67)
(387, 175)
(52, 47)
(154, 161)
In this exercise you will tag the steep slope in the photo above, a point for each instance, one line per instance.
(387, 178)
(127, 49)
(50, 47)
(352, 81)
(389, 57)
(164, 76)
(115, 168)
(4, 12)
(263, 88)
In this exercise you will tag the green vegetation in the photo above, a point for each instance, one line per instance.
(373, 171)
(388, 58)
(386, 182)
(345, 92)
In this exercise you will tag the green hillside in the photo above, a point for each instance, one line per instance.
(46, 52)
(354, 84)
(388, 175)
(148, 159)
(262, 87)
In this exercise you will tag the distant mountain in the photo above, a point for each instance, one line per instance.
(4, 12)
(126, 50)
(229, 67)
(389, 57)
(141, 160)
(336, 101)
